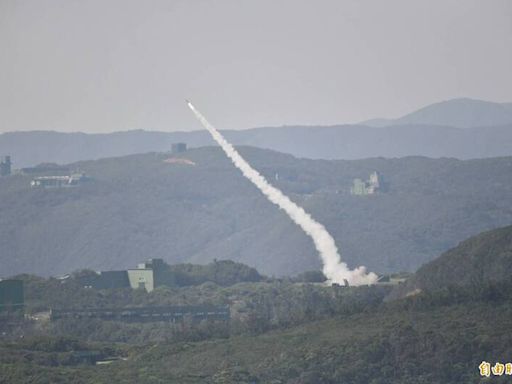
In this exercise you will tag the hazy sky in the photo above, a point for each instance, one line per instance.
(101, 66)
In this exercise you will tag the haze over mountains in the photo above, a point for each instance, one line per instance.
(460, 128)
(459, 113)
(141, 206)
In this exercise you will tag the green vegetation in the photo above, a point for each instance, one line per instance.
(478, 261)
(139, 206)
(437, 337)
(281, 331)
(255, 306)
(222, 272)
(53, 351)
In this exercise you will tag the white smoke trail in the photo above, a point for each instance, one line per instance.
(334, 269)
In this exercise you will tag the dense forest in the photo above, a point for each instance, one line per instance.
(431, 338)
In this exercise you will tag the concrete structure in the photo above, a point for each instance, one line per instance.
(11, 296)
(58, 181)
(141, 278)
(374, 180)
(178, 147)
(358, 187)
(5, 166)
(146, 275)
(369, 187)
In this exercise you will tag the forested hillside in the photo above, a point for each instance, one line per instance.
(279, 332)
(142, 206)
(478, 261)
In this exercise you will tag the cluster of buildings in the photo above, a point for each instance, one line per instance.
(72, 180)
(367, 187)
(147, 276)
(61, 178)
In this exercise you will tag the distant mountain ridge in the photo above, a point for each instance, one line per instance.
(426, 132)
(459, 113)
(338, 142)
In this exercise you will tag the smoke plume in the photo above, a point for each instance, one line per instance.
(334, 269)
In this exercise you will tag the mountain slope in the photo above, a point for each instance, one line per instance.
(464, 113)
(481, 259)
(140, 206)
(461, 113)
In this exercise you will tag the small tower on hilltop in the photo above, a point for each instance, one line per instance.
(178, 148)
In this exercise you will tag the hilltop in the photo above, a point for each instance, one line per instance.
(460, 113)
(141, 206)
(480, 260)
